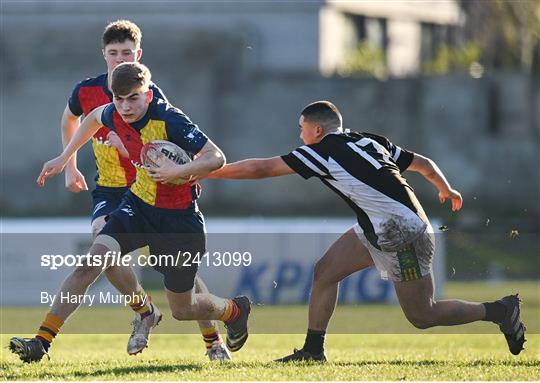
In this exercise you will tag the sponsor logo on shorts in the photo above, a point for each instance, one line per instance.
(128, 210)
(99, 206)
(408, 264)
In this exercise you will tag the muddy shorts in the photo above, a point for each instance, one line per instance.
(411, 261)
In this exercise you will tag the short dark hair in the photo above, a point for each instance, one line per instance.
(120, 31)
(128, 76)
(324, 113)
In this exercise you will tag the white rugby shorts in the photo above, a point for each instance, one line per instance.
(411, 261)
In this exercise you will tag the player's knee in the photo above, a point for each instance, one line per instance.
(97, 226)
(420, 323)
(184, 307)
(420, 319)
(184, 313)
(179, 314)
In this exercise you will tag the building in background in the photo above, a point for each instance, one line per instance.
(406, 33)
(243, 70)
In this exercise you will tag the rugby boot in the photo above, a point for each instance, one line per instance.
(218, 352)
(138, 340)
(28, 349)
(511, 326)
(237, 331)
(302, 356)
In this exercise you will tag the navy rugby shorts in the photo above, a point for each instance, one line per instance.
(105, 200)
(174, 238)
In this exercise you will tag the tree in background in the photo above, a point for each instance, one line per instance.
(455, 59)
(365, 60)
(507, 32)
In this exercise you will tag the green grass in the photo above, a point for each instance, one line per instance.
(357, 346)
(355, 357)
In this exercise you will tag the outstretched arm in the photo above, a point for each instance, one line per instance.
(88, 128)
(429, 169)
(254, 168)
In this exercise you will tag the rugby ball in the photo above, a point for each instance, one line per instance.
(155, 152)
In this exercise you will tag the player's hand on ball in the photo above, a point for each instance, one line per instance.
(168, 172)
(75, 181)
(50, 169)
(455, 196)
(115, 141)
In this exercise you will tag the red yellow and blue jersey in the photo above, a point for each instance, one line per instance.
(162, 121)
(112, 169)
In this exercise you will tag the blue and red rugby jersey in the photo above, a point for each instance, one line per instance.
(162, 121)
(112, 169)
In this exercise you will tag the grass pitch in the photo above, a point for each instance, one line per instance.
(352, 357)
(410, 355)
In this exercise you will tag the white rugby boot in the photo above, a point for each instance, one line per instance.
(218, 352)
(138, 340)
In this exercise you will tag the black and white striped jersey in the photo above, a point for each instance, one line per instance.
(365, 170)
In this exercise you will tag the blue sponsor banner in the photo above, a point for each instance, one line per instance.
(291, 283)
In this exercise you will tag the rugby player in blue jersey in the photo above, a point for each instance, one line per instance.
(121, 41)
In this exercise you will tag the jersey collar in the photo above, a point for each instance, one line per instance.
(337, 133)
